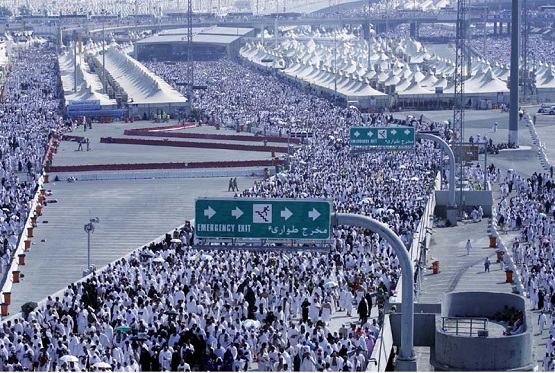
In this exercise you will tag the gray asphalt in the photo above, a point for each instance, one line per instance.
(132, 213)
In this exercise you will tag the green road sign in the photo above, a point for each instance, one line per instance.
(381, 136)
(263, 218)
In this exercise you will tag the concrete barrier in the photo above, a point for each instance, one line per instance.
(12, 275)
(209, 136)
(167, 166)
(474, 353)
(535, 138)
(383, 348)
(193, 144)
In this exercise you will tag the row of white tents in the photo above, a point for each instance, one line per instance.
(144, 91)
(374, 73)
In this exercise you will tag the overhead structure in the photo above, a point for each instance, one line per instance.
(527, 82)
(458, 101)
(514, 80)
(190, 68)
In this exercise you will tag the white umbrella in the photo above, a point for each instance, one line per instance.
(147, 253)
(69, 358)
(102, 364)
(158, 259)
(366, 200)
(175, 240)
(330, 285)
(206, 257)
(250, 323)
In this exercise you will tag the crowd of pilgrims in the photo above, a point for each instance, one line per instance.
(179, 309)
(172, 307)
(29, 115)
(527, 210)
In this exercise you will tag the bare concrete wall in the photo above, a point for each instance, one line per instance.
(471, 199)
(382, 349)
(453, 352)
(424, 327)
(478, 304)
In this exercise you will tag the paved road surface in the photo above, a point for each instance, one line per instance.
(462, 272)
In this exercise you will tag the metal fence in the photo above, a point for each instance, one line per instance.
(465, 326)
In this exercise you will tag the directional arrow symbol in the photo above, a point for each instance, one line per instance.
(370, 133)
(209, 212)
(237, 213)
(407, 132)
(313, 214)
(357, 134)
(286, 214)
(393, 132)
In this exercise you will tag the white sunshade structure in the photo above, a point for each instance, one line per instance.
(89, 86)
(398, 70)
(545, 83)
(485, 85)
(144, 89)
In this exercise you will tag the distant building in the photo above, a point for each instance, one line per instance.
(208, 44)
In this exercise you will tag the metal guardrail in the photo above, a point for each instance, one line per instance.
(468, 326)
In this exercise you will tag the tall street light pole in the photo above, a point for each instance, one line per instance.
(89, 228)
(190, 59)
(335, 67)
(104, 90)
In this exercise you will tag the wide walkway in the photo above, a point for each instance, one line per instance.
(134, 212)
(460, 271)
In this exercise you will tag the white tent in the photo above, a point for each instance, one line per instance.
(89, 86)
(144, 89)
(415, 90)
(485, 84)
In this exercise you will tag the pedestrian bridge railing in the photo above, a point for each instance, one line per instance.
(465, 326)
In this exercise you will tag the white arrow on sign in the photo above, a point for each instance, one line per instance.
(370, 133)
(286, 214)
(357, 134)
(393, 132)
(237, 213)
(313, 214)
(209, 212)
(407, 132)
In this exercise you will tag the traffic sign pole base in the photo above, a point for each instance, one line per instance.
(451, 216)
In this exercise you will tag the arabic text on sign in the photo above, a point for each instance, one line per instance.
(291, 230)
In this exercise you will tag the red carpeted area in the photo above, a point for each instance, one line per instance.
(168, 132)
(160, 132)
